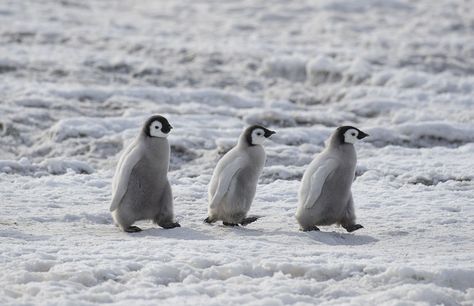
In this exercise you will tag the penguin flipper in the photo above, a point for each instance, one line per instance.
(225, 178)
(317, 181)
(122, 158)
(127, 162)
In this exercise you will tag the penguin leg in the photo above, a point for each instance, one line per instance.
(236, 218)
(125, 223)
(309, 228)
(351, 228)
(210, 220)
(348, 219)
(165, 216)
(170, 225)
(132, 229)
(248, 220)
(229, 224)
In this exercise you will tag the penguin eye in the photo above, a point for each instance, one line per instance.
(259, 134)
(157, 127)
(353, 134)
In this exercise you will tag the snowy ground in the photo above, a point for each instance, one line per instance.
(79, 77)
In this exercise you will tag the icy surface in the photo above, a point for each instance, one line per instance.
(79, 77)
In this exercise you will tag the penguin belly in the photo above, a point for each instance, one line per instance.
(331, 204)
(144, 191)
(238, 199)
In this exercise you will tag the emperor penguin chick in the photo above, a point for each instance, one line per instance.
(234, 182)
(325, 195)
(140, 188)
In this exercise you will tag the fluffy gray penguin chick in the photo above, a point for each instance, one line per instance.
(325, 195)
(140, 188)
(234, 181)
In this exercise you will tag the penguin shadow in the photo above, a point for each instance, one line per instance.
(337, 238)
(181, 233)
(328, 238)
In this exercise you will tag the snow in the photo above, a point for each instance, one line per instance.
(289, 67)
(80, 78)
(49, 166)
(323, 69)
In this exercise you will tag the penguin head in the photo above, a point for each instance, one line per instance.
(157, 126)
(257, 134)
(350, 134)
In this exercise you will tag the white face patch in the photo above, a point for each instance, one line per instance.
(258, 137)
(155, 129)
(350, 136)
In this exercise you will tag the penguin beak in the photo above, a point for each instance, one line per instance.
(362, 135)
(269, 133)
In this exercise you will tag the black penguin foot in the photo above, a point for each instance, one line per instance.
(353, 227)
(170, 225)
(310, 228)
(133, 229)
(229, 224)
(209, 220)
(248, 220)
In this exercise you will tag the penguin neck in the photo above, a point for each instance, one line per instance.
(255, 153)
(254, 150)
(244, 142)
(345, 148)
(336, 141)
(156, 144)
(251, 147)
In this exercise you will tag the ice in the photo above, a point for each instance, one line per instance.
(78, 79)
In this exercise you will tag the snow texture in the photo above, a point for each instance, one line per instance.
(78, 78)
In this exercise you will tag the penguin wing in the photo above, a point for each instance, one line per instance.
(122, 158)
(225, 178)
(317, 181)
(125, 166)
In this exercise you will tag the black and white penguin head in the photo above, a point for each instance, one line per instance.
(157, 126)
(257, 134)
(350, 134)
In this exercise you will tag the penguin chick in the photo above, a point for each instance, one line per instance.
(140, 188)
(234, 181)
(325, 195)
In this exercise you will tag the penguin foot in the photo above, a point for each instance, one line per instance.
(230, 224)
(133, 229)
(248, 220)
(170, 225)
(209, 220)
(353, 227)
(309, 229)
